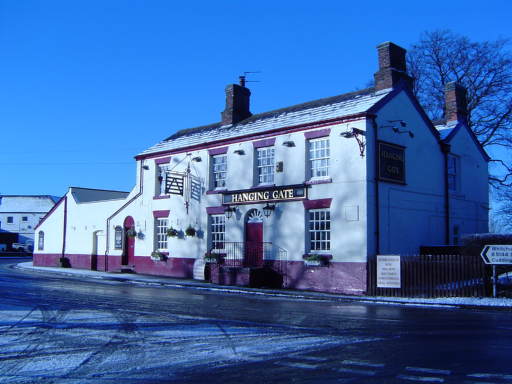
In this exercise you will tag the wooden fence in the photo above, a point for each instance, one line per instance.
(434, 276)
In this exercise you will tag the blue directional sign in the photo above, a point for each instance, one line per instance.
(497, 254)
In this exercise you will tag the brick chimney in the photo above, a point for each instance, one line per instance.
(456, 105)
(237, 104)
(392, 68)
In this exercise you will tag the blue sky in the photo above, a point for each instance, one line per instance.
(86, 85)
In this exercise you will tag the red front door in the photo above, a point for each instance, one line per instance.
(129, 243)
(253, 244)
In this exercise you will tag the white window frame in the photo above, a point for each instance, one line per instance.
(453, 173)
(217, 232)
(265, 165)
(319, 230)
(162, 172)
(219, 170)
(161, 226)
(118, 237)
(319, 157)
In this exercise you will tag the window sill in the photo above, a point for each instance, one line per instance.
(216, 191)
(262, 186)
(161, 197)
(325, 180)
(326, 256)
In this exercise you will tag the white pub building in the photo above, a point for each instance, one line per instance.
(301, 197)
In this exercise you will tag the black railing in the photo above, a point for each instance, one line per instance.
(250, 254)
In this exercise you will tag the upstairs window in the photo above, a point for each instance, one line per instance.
(24, 218)
(319, 154)
(319, 227)
(265, 165)
(40, 241)
(161, 226)
(217, 231)
(219, 171)
(452, 171)
(10, 219)
(162, 178)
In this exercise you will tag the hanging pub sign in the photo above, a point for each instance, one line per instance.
(174, 183)
(391, 163)
(262, 195)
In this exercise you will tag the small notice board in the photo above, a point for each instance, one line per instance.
(388, 271)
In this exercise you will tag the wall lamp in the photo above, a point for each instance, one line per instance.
(228, 212)
(359, 136)
(396, 130)
(239, 152)
(197, 159)
(289, 143)
(268, 209)
(402, 123)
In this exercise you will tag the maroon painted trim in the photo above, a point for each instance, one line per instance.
(317, 204)
(272, 132)
(218, 151)
(264, 143)
(215, 210)
(163, 213)
(163, 160)
(50, 211)
(216, 191)
(160, 197)
(316, 134)
(319, 181)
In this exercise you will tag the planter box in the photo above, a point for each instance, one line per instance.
(314, 263)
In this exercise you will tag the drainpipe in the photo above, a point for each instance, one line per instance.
(141, 189)
(376, 178)
(64, 231)
(445, 148)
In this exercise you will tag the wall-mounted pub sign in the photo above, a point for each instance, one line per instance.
(391, 163)
(271, 194)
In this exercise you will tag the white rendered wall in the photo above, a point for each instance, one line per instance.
(53, 228)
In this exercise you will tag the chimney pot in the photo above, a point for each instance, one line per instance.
(392, 67)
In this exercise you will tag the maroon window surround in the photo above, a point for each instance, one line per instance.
(215, 210)
(317, 204)
(264, 143)
(163, 213)
(318, 133)
(163, 160)
(218, 151)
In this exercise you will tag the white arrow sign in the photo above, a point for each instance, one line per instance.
(497, 254)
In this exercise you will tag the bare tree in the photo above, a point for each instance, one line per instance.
(485, 69)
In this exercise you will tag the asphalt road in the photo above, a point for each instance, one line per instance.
(56, 329)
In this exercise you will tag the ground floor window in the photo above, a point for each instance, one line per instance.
(319, 227)
(217, 231)
(118, 238)
(40, 241)
(161, 225)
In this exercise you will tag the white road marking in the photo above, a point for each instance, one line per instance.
(356, 371)
(429, 370)
(296, 365)
(363, 363)
(421, 378)
(491, 375)
(312, 358)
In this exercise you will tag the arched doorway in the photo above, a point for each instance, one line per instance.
(253, 254)
(129, 242)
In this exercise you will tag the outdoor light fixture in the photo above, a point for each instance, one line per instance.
(396, 130)
(359, 136)
(229, 212)
(239, 152)
(145, 167)
(197, 159)
(268, 209)
(402, 123)
(289, 143)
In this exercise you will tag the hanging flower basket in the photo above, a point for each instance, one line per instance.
(190, 231)
(158, 256)
(131, 232)
(171, 232)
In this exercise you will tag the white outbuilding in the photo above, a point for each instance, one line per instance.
(301, 197)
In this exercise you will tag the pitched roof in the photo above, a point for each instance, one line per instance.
(447, 132)
(87, 195)
(310, 112)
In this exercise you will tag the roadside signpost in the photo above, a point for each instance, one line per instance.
(496, 254)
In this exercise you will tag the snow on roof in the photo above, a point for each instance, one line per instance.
(86, 195)
(322, 109)
(445, 129)
(26, 203)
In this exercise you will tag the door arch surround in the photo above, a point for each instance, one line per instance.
(128, 257)
(253, 238)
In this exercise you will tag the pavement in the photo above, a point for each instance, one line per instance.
(449, 302)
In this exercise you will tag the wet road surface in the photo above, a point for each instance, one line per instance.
(56, 329)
